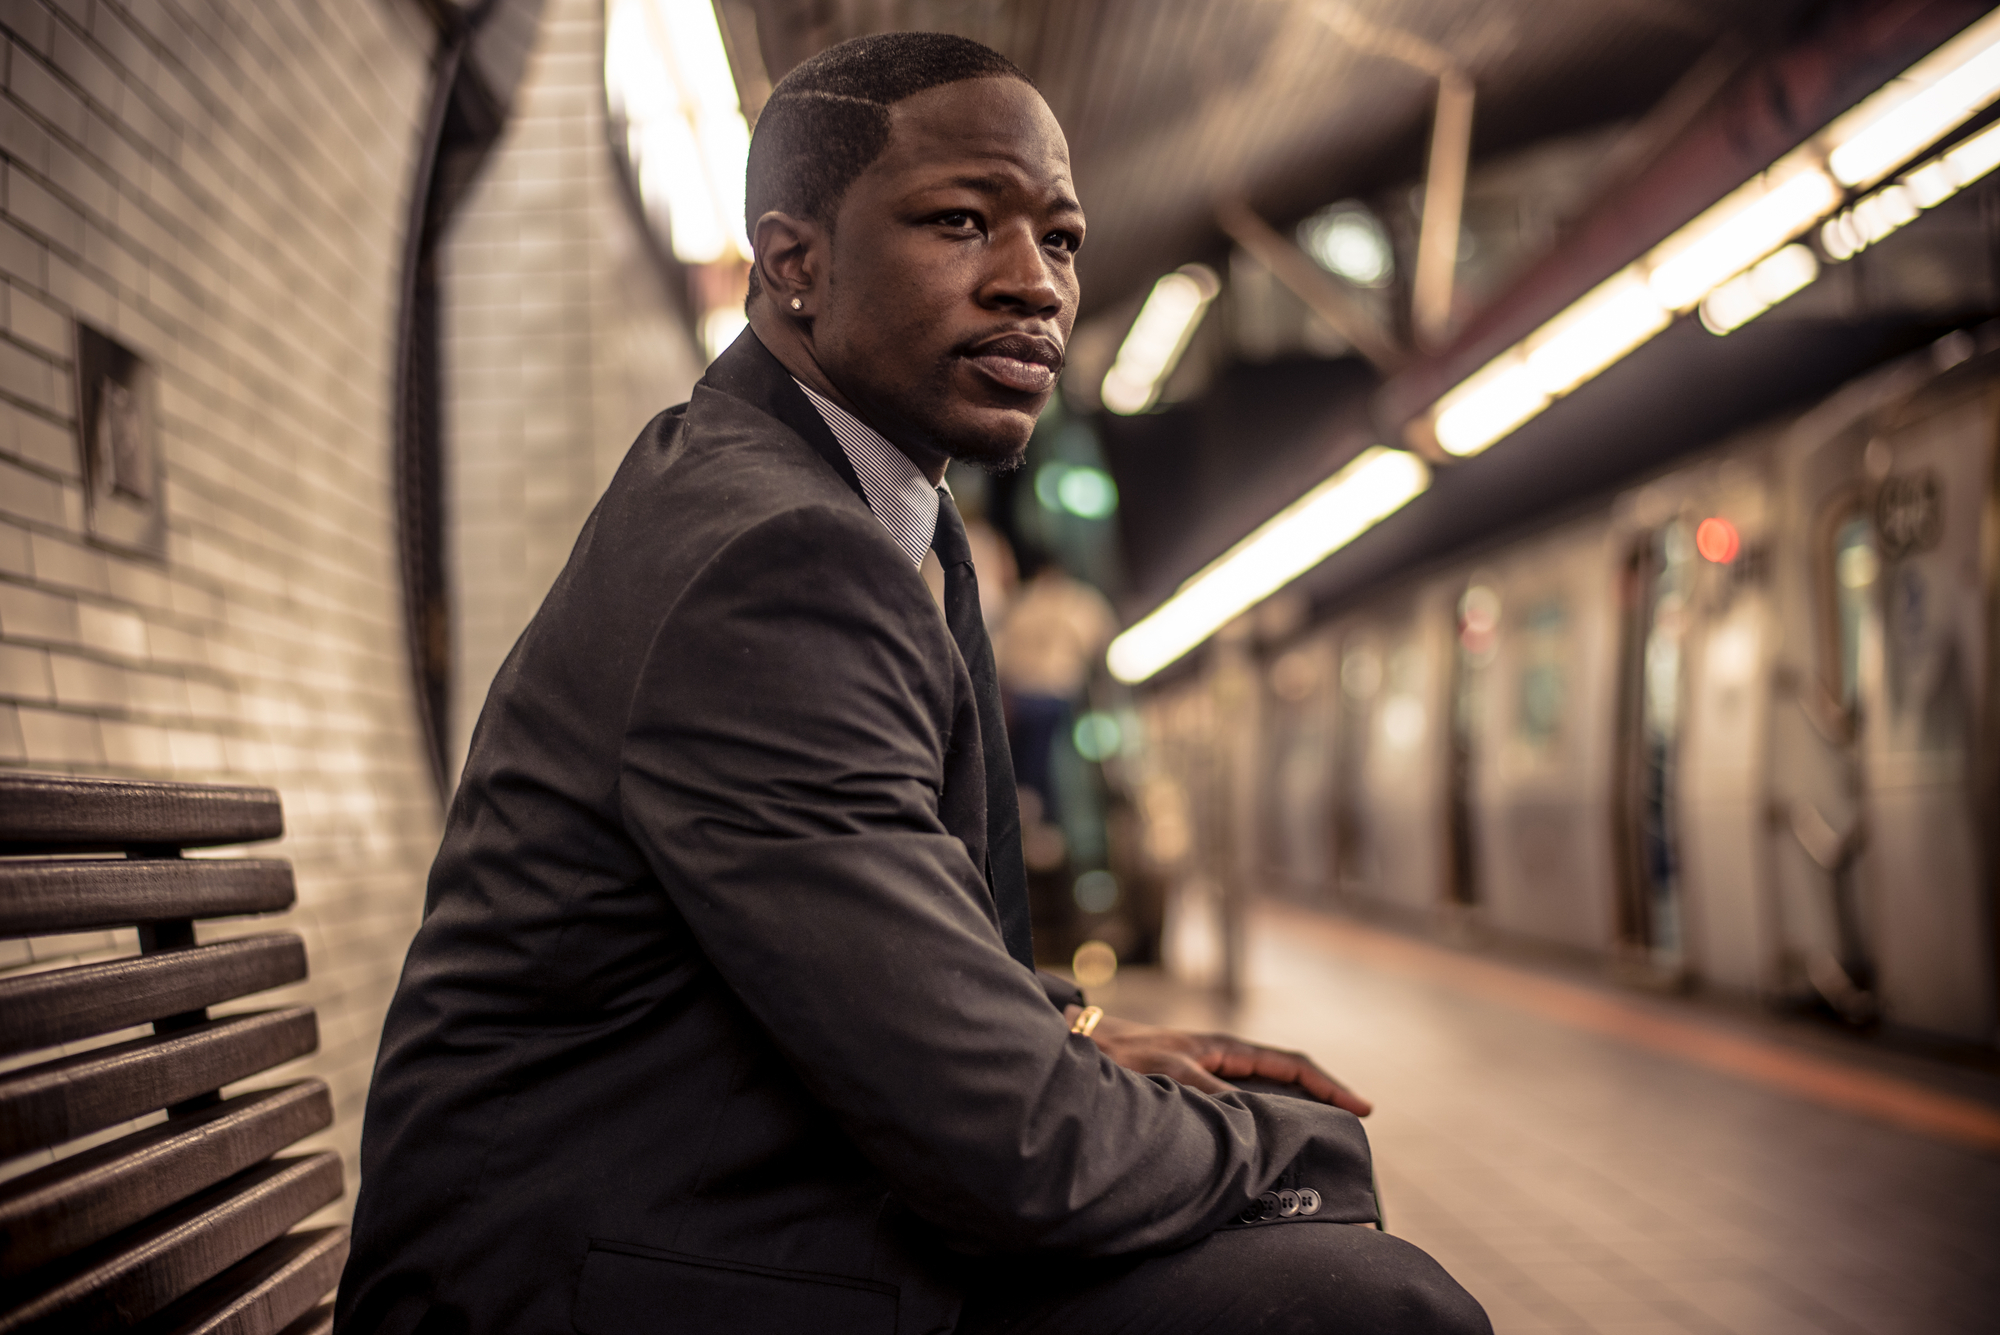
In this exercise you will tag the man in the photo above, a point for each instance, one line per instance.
(722, 1016)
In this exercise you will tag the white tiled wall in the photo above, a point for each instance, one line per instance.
(560, 343)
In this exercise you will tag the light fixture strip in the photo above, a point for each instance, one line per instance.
(1372, 486)
(1735, 236)
(1157, 338)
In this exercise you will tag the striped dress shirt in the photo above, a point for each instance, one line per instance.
(897, 491)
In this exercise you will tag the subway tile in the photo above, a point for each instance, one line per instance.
(89, 683)
(61, 563)
(34, 615)
(22, 257)
(138, 746)
(44, 443)
(22, 137)
(111, 630)
(27, 20)
(50, 737)
(30, 495)
(195, 754)
(24, 674)
(33, 320)
(28, 376)
(74, 56)
(41, 89)
(35, 207)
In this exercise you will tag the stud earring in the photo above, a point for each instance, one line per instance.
(798, 303)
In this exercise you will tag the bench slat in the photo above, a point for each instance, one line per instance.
(132, 1275)
(84, 1199)
(74, 1096)
(40, 1010)
(45, 812)
(265, 1293)
(80, 895)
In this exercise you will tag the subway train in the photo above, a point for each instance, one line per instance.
(1731, 728)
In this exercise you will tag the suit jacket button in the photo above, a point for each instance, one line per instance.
(1267, 1205)
(1251, 1215)
(1288, 1203)
(1308, 1201)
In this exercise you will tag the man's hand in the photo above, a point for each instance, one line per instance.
(1207, 1061)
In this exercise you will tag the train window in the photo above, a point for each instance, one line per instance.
(1855, 569)
(1543, 684)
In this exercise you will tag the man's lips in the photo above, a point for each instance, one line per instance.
(1024, 363)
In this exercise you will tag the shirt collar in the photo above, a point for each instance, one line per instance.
(897, 491)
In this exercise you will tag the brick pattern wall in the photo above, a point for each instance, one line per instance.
(221, 185)
(560, 343)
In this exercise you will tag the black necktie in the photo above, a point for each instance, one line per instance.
(1005, 874)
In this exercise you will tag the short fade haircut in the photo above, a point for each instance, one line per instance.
(828, 119)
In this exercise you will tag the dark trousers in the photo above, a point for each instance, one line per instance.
(1281, 1279)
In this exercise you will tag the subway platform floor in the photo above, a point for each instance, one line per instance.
(1586, 1159)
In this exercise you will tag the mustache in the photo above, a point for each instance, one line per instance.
(1035, 348)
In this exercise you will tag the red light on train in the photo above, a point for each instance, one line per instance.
(1717, 540)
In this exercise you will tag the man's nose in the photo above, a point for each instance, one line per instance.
(1021, 278)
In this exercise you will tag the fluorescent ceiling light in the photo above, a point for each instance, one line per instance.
(1158, 337)
(1917, 108)
(667, 75)
(1375, 484)
(1748, 295)
(1746, 226)
(1930, 185)
(1608, 322)
(1741, 233)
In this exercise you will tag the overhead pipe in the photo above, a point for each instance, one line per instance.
(1321, 292)
(1444, 206)
(1444, 179)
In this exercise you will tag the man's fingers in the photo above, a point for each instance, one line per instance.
(1194, 1076)
(1206, 1062)
(1235, 1058)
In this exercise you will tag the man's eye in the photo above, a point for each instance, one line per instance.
(959, 219)
(1068, 241)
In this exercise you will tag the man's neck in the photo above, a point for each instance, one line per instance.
(791, 343)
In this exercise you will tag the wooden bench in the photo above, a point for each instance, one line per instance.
(184, 1225)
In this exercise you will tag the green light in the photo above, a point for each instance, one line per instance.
(1087, 493)
(1097, 736)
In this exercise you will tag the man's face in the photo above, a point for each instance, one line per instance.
(952, 286)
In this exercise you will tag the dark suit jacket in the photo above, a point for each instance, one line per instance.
(709, 1025)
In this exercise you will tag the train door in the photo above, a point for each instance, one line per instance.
(1656, 585)
(1911, 611)
(1878, 780)
(1827, 826)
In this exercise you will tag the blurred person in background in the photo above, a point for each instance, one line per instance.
(723, 1015)
(1055, 629)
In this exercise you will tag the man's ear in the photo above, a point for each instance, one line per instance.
(790, 260)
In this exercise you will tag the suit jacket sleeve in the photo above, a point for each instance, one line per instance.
(782, 768)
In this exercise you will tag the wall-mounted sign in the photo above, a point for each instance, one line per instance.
(119, 441)
(1909, 513)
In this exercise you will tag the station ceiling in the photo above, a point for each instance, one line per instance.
(1170, 104)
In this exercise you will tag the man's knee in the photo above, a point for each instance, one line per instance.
(1405, 1289)
(1345, 1278)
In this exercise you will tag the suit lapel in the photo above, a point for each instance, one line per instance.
(746, 370)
